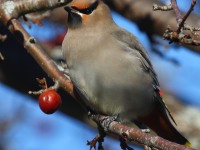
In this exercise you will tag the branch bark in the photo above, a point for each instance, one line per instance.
(138, 136)
(14, 9)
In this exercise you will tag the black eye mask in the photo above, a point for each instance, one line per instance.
(88, 10)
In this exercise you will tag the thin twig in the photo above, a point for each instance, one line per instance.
(191, 28)
(181, 24)
(162, 8)
(176, 10)
(43, 84)
(178, 35)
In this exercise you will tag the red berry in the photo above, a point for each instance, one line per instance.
(49, 101)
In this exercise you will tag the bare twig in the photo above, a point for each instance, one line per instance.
(162, 8)
(179, 36)
(44, 86)
(181, 24)
(42, 83)
(176, 10)
(191, 28)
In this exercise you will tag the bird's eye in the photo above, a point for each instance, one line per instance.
(75, 8)
(88, 10)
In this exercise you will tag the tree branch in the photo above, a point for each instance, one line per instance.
(46, 63)
(176, 10)
(14, 9)
(181, 25)
(138, 136)
(179, 36)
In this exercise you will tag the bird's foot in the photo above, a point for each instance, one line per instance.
(103, 126)
(104, 122)
(93, 142)
(99, 138)
(123, 143)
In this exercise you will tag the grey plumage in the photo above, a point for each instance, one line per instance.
(110, 68)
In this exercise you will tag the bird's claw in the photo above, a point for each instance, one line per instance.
(99, 138)
(92, 143)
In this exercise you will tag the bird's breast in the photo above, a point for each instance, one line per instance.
(111, 80)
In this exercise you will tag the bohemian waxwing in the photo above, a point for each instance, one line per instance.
(111, 70)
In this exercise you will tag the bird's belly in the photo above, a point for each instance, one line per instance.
(113, 92)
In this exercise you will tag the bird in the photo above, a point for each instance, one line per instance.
(112, 72)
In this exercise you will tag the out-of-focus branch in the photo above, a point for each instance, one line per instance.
(176, 10)
(14, 9)
(149, 21)
(163, 7)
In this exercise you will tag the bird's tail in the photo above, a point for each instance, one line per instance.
(159, 121)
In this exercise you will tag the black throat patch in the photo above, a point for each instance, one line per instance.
(74, 19)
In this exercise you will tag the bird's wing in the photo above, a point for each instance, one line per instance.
(134, 45)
